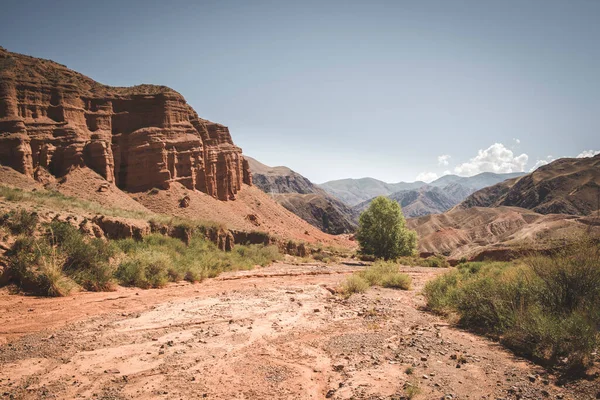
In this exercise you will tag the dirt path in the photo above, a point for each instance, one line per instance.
(275, 333)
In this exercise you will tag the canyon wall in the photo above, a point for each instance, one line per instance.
(139, 137)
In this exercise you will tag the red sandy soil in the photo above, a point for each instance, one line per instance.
(274, 332)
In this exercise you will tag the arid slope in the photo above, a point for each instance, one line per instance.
(565, 186)
(500, 232)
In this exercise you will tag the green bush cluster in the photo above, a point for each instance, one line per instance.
(59, 261)
(381, 273)
(436, 261)
(62, 259)
(158, 259)
(545, 307)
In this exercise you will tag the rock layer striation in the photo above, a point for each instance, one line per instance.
(139, 137)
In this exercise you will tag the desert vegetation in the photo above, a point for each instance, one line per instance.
(544, 307)
(61, 259)
(381, 273)
(435, 261)
(382, 231)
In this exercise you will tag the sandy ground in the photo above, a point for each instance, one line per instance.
(271, 333)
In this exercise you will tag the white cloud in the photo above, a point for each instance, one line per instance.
(588, 153)
(444, 159)
(427, 176)
(539, 163)
(447, 172)
(517, 141)
(496, 158)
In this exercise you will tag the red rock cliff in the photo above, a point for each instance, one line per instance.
(139, 137)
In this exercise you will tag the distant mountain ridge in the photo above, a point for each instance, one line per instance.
(356, 191)
(440, 195)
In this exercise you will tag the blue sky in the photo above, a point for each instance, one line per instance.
(394, 90)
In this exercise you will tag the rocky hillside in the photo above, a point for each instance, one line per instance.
(567, 186)
(279, 179)
(305, 199)
(497, 233)
(140, 138)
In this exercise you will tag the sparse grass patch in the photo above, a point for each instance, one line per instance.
(381, 273)
(397, 281)
(327, 258)
(59, 201)
(354, 284)
(412, 390)
(545, 307)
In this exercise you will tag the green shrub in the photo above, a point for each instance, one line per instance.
(441, 291)
(60, 259)
(381, 273)
(88, 261)
(546, 307)
(436, 261)
(397, 281)
(21, 222)
(354, 284)
(37, 267)
(145, 269)
(375, 273)
(257, 254)
(382, 230)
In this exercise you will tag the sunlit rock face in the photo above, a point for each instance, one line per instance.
(139, 137)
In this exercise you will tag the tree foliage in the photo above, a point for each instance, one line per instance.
(382, 230)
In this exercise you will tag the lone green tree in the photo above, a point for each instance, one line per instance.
(382, 230)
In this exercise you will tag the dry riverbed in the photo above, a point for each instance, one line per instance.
(276, 332)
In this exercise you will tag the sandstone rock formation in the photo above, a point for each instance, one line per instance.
(140, 137)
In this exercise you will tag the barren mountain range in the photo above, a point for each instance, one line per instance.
(416, 198)
(540, 210)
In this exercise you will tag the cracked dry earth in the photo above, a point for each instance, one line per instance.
(271, 333)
